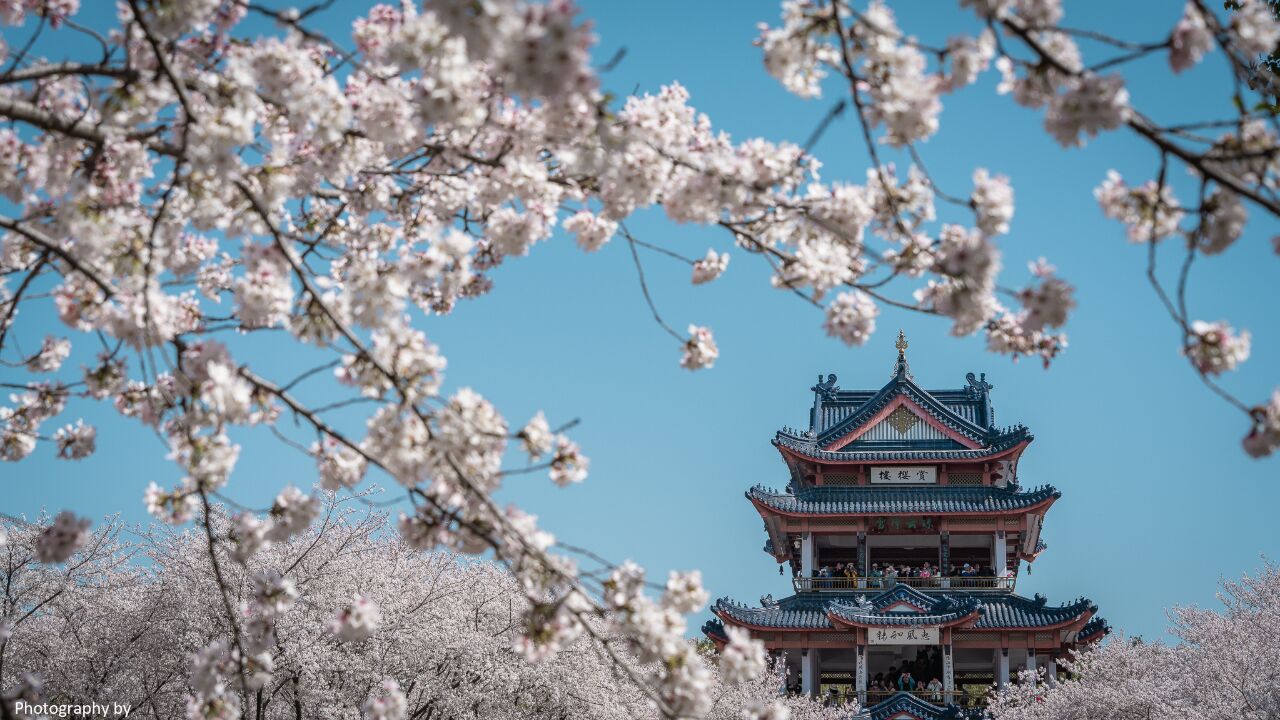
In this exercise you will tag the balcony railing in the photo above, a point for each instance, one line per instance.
(847, 584)
(939, 697)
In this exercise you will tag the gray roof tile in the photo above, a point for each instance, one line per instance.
(866, 499)
(809, 447)
(809, 610)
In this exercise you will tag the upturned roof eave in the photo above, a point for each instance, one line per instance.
(727, 617)
(1079, 618)
(766, 510)
(1103, 630)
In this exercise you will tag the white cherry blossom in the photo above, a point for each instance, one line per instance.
(76, 442)
(1215, 348)
(743, 658)
(53, 351)
(356, 621)
(700, 350)
(1091, 104)
(62, 538)
(710, 267)
(852, 317)
(1190, 40)
(1254, 28)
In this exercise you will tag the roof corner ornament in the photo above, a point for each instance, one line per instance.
(978, 386)
(767, 601)
(826, 389)
(821, 391)
(980, 389)
(900, 367)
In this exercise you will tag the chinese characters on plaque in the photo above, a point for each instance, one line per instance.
(896, 524)
(903, 636)
(904, 475)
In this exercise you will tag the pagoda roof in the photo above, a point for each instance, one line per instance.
(963, 413)
(873, 500)
(880, 610)
(811, 447)
(902, 705)
(822, 611)
(901, 421)
(1095, 629)
(714, 629)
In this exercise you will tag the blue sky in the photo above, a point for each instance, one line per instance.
(1158, 499)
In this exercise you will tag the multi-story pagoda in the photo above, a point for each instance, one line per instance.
(923, 482)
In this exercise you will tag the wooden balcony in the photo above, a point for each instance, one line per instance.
(846, 584)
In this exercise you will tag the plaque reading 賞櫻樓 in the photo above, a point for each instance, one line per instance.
(904, 475)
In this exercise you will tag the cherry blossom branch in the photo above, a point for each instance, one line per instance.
(65, 69)
(48, 244)
(644, 287)
(21, 111)
(17, 296)
(1151, 132)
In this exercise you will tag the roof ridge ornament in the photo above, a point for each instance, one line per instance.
(980, 389)
(826, 389)
(978, 385)
(900, 367)
(821, 391)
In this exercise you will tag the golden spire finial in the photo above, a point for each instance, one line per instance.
(901, 345)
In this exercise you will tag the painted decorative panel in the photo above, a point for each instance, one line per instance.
(964, 478)
(902, 424)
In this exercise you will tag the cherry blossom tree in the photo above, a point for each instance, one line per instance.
(188, 192)
(343, 619)
(1224, 666)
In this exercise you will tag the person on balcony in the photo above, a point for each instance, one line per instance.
(824, 572)
(935, 690)
(876, 576)
(926, 575)
(906, 682)
(833, 698)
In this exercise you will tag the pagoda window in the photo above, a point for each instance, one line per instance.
(974, 549)
(886, 662)
(910, 550)
(836, 549)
